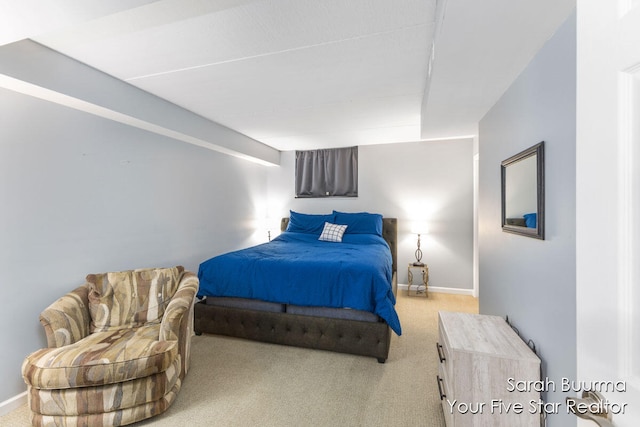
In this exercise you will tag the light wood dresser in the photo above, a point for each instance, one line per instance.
(488, 375)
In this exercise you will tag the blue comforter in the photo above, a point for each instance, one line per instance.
(297, 268)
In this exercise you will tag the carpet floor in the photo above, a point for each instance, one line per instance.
(234, 382)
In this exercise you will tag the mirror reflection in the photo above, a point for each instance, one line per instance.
(521, 200)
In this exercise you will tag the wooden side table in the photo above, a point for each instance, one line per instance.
(418, 280)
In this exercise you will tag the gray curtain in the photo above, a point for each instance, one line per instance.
(327, 172)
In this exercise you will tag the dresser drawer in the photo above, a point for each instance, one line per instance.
(444, 353)
(445, 397)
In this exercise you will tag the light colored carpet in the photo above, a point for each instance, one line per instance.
(234, 382)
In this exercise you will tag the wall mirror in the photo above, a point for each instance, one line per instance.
(523, 192)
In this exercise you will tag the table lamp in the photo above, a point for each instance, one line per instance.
(419, 228)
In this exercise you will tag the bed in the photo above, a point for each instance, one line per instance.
(234, 305)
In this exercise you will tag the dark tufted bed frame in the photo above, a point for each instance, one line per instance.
(361, 337)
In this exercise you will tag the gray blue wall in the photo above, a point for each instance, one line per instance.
(534, 281)
(81, 194)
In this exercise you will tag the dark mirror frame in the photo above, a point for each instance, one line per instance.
(538, 232)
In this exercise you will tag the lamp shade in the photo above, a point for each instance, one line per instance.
(271, 224)
(419, 227)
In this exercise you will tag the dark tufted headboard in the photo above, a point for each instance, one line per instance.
(389, 233)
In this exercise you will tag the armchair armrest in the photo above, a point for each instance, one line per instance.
(180, 303)
(67, 320)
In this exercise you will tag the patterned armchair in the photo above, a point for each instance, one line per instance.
(118, 349)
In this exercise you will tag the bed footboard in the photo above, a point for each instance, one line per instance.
(339, 335)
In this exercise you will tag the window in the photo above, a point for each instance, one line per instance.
(327, 173)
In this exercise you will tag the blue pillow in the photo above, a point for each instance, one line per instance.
(360, 222)
(308, 223)
(530, 220)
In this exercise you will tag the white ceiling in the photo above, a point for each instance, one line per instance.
(301, 74)
(480, 50)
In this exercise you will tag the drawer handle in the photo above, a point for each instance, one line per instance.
(440, 353)
(442, 395)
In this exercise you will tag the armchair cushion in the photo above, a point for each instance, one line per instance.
(101, 358)
(128, 299)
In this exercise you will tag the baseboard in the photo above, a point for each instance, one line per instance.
(12, 404)
(441, 290)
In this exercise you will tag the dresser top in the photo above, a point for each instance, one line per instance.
(480, 333)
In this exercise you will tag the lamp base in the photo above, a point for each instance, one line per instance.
(418, 264)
